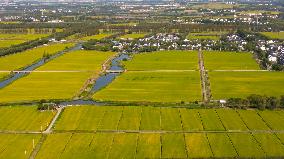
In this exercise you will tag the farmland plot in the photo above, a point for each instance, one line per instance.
(242, 84)
(53, 146)
(170, 119)
(96, 37)
(252, 120)
(151, 77)
(221, 145)
(3, 75)
(152, 87)
(80, 118)
(124, 146)
(7, 40)
(163, 60)
(266, 140)
(17, 145)
(130, 119)
(148, 146)
(210, 120)
(173, 146)
(274, 119)
(274, 35)
(24, 118)
(197, 145)
(190, 119)
(111, 118)
(231, 119)
(246, 145)
(215, 60)
(56, 85)
(9, 43)
(132, 36)
(28, 57)
(150, 118)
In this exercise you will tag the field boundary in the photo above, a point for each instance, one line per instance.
(38, 146)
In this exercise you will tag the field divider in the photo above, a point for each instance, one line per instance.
(238, 155)
(136, 146)
(251, 133)
(110, 146)
(38, 146)
(220, 120)
(161, 148)
(65, 146)
(270, 128)
(89, 145)
(185, 145)
(264, 121)
(142, 71)
(238, 70)
(203, 78)
(120, 118)
(140, 121)
(99, 123)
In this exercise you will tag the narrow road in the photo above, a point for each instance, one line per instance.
(168, 131)
(48, 130)
(239, 70)
(37, 147)
(202, 76)
(161, 71)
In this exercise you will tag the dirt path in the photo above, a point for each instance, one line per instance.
(49, 129)
(161, 71)
(202, 76)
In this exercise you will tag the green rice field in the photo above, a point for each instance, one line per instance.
(179, 60)
(215, 60)
(24, 118)
(56, 85)
(3, 75)
(205, 35)
(8, 43)
(274, 35)
(134, 118)
(242, 84)
(28, 57)
(168, 145)
(17, 145)
(125, 132)
(153, 87)
(152, 77)
(7, 40)
(132, 36)
(96, 37)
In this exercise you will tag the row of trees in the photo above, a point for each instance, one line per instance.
(256, 101)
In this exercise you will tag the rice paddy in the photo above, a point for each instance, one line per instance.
(242, 84)
(56, 85)
(24, 118)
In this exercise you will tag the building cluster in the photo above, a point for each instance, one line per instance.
(274, 49)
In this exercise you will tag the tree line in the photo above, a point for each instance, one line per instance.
(256, 101)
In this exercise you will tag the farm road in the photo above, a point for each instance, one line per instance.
(141, 131)
(161, 70)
